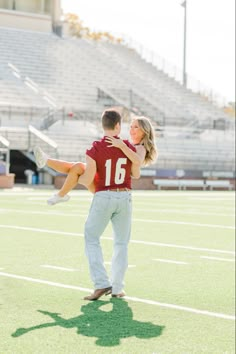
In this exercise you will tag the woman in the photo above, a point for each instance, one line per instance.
(143, 138)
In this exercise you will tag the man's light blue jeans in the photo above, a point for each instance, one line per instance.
(117, 208)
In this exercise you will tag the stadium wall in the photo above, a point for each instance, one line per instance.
(33, 6)
(144, 183)
(147, 183)
(7, 181)
(35, 15)
(25, 21)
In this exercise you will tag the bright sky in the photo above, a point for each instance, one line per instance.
(159, 26)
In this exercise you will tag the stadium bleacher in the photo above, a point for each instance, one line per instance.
(43, 75)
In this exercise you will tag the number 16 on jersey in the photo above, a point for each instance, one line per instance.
(120, 171)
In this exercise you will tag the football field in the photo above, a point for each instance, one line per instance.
(180, 282)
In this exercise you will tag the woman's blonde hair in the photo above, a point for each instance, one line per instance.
(148, 140)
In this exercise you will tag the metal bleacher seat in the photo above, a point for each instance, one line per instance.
(180, 183)
(72, 71)
(219, 184)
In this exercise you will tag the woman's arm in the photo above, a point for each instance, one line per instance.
(136, 158)
(135, 171)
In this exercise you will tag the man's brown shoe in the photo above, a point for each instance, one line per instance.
(98, 293)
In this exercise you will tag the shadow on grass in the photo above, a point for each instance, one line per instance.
(109, 327)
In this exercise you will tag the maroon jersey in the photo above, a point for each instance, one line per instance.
(113, 166)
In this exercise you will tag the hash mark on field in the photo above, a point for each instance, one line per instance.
(219, 259)
(168, 261)
(135, 299)
(59, 268)
(129, 266)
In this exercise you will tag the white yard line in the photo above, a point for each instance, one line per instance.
(187, 194)
(183, 308)
(59, 268)
(129, 266)
(44, 198)
(147, 243)
(229, 198)
(134, 219)
(218, 259)
(213, 206)
(26, 189)
(33, 192)
(185, 223)
(176, 211)
(135, 299)
(168, 261)
(47, 212)
(182, 247)
(47, 231)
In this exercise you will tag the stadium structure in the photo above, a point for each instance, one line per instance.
(54, 87)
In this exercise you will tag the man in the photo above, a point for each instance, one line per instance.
(111, 171)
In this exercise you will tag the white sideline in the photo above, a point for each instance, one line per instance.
(134, 219)
(135, 299)
(166, 205)
(229, 198)
(147, 243)
(41, 230)
(59, 268)
(168, 261)
(136, 209)
(185, 223)
(51, 212)
(218, 259)
(176, 211)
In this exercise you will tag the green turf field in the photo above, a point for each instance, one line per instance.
(179, 285)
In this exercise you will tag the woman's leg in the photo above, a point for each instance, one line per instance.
(76, 170)
(42, 159)
(60, 165)
(72, 169)
(71, 181)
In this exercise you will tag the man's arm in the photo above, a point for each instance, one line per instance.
(88, 176)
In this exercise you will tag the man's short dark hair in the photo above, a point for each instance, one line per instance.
(110, 118)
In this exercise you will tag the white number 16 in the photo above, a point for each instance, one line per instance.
(119, 174)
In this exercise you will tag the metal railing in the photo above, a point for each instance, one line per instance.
(175, 72)
(6, 150)
(35, 133)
